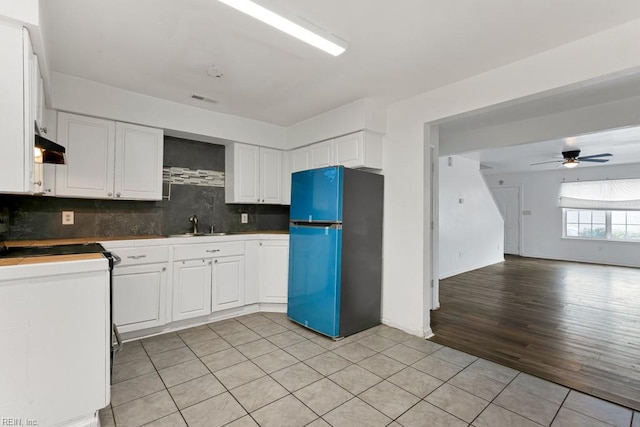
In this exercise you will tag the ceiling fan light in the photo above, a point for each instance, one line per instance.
(570, 163)
(325, 42)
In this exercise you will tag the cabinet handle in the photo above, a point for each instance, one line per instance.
(48, 190)
(43, 129)
(136, 256)
(262, 200)
(215, 260)
(164, 268)
(39, 183)
(109, 194)
(260, 243)
(117, 194)
(258, 200)
(212, 251)
(210, 262)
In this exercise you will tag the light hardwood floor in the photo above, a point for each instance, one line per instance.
(571, 323)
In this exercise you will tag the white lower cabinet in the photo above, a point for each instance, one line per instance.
(156, 285)
(139, 295)
(227, 283)
(191, 288)
(274, 271)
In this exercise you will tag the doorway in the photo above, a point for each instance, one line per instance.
(508, 201)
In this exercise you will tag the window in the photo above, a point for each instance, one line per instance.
(608, 210)
(599, 224)
(625, 225)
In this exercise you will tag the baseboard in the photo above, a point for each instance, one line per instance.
(197, 321)
(468, 268)
(585, 261)
(410, 331)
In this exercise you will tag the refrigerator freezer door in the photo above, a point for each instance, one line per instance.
(316, 195)
(314, 278)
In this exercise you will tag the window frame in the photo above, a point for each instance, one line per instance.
(608, 237)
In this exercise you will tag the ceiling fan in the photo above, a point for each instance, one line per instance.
(571, 159)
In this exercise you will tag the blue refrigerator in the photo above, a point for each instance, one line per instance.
(335, 253)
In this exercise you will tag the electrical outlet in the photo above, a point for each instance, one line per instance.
(67, 217)
(244, 218)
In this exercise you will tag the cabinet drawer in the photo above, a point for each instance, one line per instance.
(147, 255)
(208, 250)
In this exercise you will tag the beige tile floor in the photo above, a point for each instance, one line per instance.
(262, 369)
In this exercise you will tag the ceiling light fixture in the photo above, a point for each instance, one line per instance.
(325, 42)
(570, 163)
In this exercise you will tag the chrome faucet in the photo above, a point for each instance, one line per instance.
(194, 220)
(212, 229)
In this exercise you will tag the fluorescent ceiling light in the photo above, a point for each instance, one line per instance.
(327, 42)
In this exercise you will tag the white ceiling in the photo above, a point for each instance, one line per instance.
(396, 49)
(623, 143)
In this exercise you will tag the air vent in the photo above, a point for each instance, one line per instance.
(204, 99)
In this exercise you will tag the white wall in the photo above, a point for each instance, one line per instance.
(471, 227)
(542, 230)
(82, 96)
(406, 296)
(362, 114)
(23, 11)
(608, 115)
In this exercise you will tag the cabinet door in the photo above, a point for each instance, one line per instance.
(300, 159)
(270, 176)
(349, 150)
(191, 288)
(49, 179)
(274, 271)
(139, 296)
(228, 283)
(90, 145)
(321, 154)
(16, 112)
(138, 162)
(247, 174)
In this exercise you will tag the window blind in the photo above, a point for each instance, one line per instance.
(613, 194)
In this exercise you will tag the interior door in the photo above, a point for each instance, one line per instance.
(508, 201)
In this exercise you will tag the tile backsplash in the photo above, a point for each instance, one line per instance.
(199, 165)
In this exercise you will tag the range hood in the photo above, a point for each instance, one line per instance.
(51, 152)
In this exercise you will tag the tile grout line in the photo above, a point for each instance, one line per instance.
(496, 396)
(305, 362)
(560, 407)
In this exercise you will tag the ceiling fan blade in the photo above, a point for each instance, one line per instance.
(594, 160)
(542, 163)
(594, 156)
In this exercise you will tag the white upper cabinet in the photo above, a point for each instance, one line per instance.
(17, 110)
(300, 159)
(359, 150)
(270, 176)
(253, 174)
(321, 154)
(89, 157)
(109, 160)
(242, 173)
(138, 162)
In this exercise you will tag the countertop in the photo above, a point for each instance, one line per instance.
(157, 239)
(83, 240)
(5, 262)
